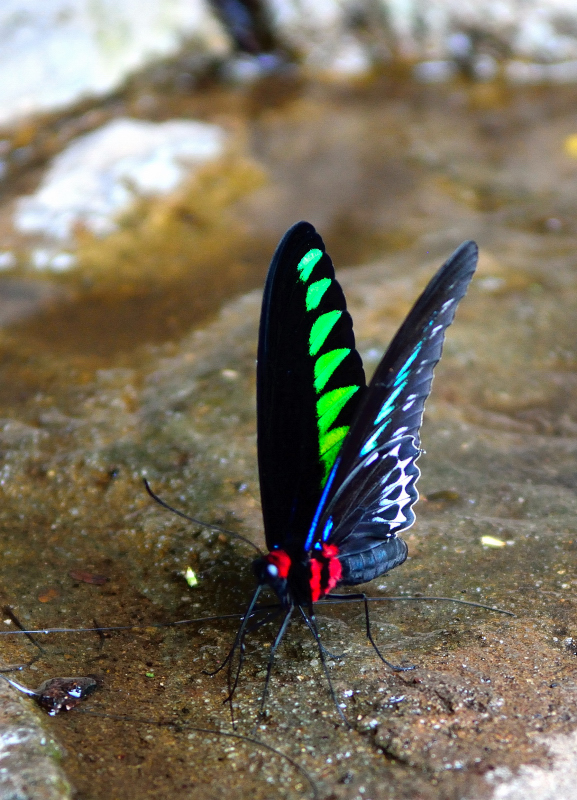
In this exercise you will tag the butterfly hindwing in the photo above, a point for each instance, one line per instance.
(372, 486)
(310, 382)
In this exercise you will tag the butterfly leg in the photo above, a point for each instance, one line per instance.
(312, 625)
(248, 629)
(320, 644)
(362, 596)
(239, 634)
(241, 647)
(278, 638)
(238, 643)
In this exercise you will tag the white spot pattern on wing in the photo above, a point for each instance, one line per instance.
(401, 499)
(400, 431)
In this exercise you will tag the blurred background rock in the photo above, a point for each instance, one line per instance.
(58, 52)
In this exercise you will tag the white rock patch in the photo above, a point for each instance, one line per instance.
(100, 174)
(54, 52)
(537, 783)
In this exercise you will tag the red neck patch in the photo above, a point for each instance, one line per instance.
(280, 560)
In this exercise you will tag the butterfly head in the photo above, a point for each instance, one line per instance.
(273, 570)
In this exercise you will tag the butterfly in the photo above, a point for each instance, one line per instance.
(337, 457)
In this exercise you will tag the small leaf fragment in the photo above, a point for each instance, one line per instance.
(492, 541)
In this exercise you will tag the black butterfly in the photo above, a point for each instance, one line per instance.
(337, 457)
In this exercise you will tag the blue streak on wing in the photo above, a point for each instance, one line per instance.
(327, 530)
(404, 371)
(389, 405)
(318, 512)
(399, 384)
(371, 442)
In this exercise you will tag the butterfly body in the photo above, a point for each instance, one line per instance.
(337, 457)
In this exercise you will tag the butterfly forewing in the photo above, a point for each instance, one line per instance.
(310, 382)
(372, 487)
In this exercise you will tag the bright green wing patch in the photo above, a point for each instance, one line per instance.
(330, 404)
(321, 329)
(308, 262)
(331, 438)
(330, 444)
(326, 364)
(315, 293)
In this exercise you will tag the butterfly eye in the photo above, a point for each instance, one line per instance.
(272, 570)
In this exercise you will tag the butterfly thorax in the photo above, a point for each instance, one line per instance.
(300, 580)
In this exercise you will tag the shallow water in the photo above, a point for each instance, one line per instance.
(102, 381)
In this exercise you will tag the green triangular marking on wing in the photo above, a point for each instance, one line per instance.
(315, 293)
(326, 364)
(330, 444)
(321, 329)
(330, 405)
(331, 438)
(308, 263)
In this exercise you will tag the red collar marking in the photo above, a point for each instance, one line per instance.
(281, 561)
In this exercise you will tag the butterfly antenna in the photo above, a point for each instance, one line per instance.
(312, 626)
(18, 667)
(362, 596)
(12, 616)
(496, 609)
(208, 525)
(100, 628)
(257, 610)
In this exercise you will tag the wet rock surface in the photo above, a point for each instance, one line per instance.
(29, 755)
(393, 181)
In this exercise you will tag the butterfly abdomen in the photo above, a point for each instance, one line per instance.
(370, 564)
